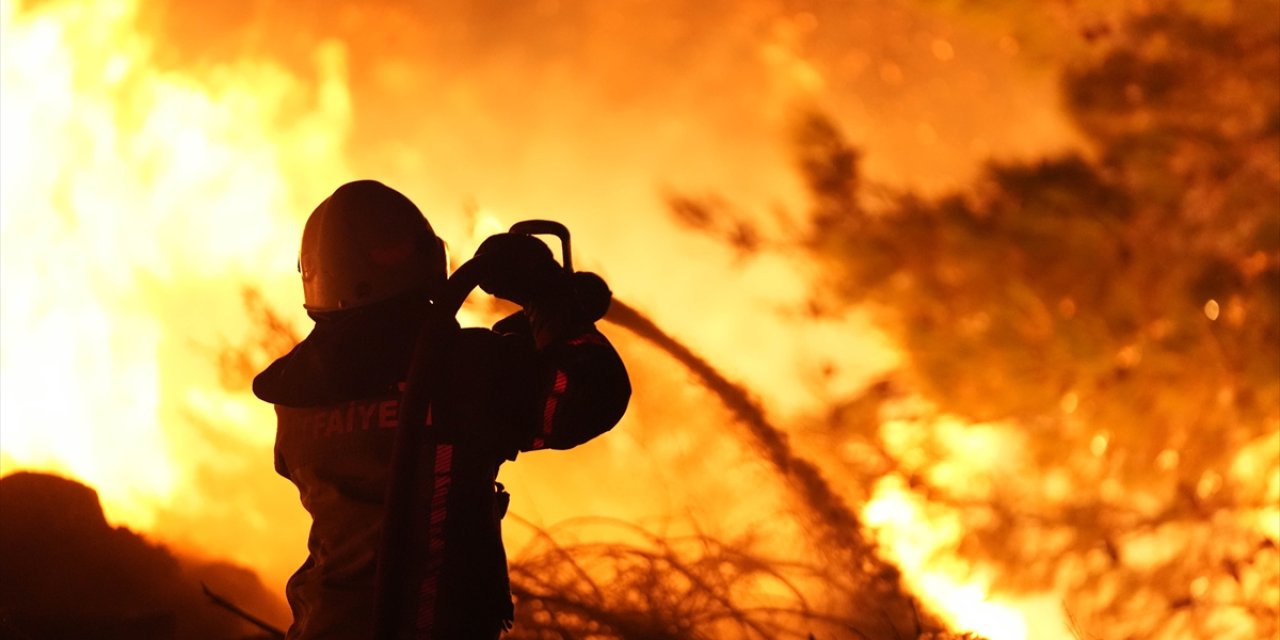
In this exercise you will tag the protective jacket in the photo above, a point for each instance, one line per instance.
(336, 396)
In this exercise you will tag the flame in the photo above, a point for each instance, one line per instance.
(958, 591)
(920, 537)
(133, 201)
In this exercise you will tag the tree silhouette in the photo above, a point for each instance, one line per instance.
(1116, 310)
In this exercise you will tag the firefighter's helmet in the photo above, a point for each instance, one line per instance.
(364, 244)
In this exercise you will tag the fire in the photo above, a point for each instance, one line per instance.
(917, 536)
(134, 200)
(957, 590)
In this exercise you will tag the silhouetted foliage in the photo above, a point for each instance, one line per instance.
(713, 217)
(679, 587)
(272, 336)
(1118, 311)
(668, 588)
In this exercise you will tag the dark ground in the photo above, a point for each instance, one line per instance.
(66, 573)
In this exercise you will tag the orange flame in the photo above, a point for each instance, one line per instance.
(134, 200)
(917, 536)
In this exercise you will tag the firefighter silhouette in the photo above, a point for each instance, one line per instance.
(373, 276)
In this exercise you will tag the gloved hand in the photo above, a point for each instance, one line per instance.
(592, 295)
(518, 268)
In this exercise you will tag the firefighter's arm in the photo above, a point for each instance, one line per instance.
(583, 391)
(579, 383)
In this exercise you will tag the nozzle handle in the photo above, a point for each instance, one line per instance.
(549, 228)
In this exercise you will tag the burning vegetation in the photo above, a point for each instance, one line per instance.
(1077, 433)
(1114, 312)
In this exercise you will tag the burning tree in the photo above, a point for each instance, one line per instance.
(1111, 316)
